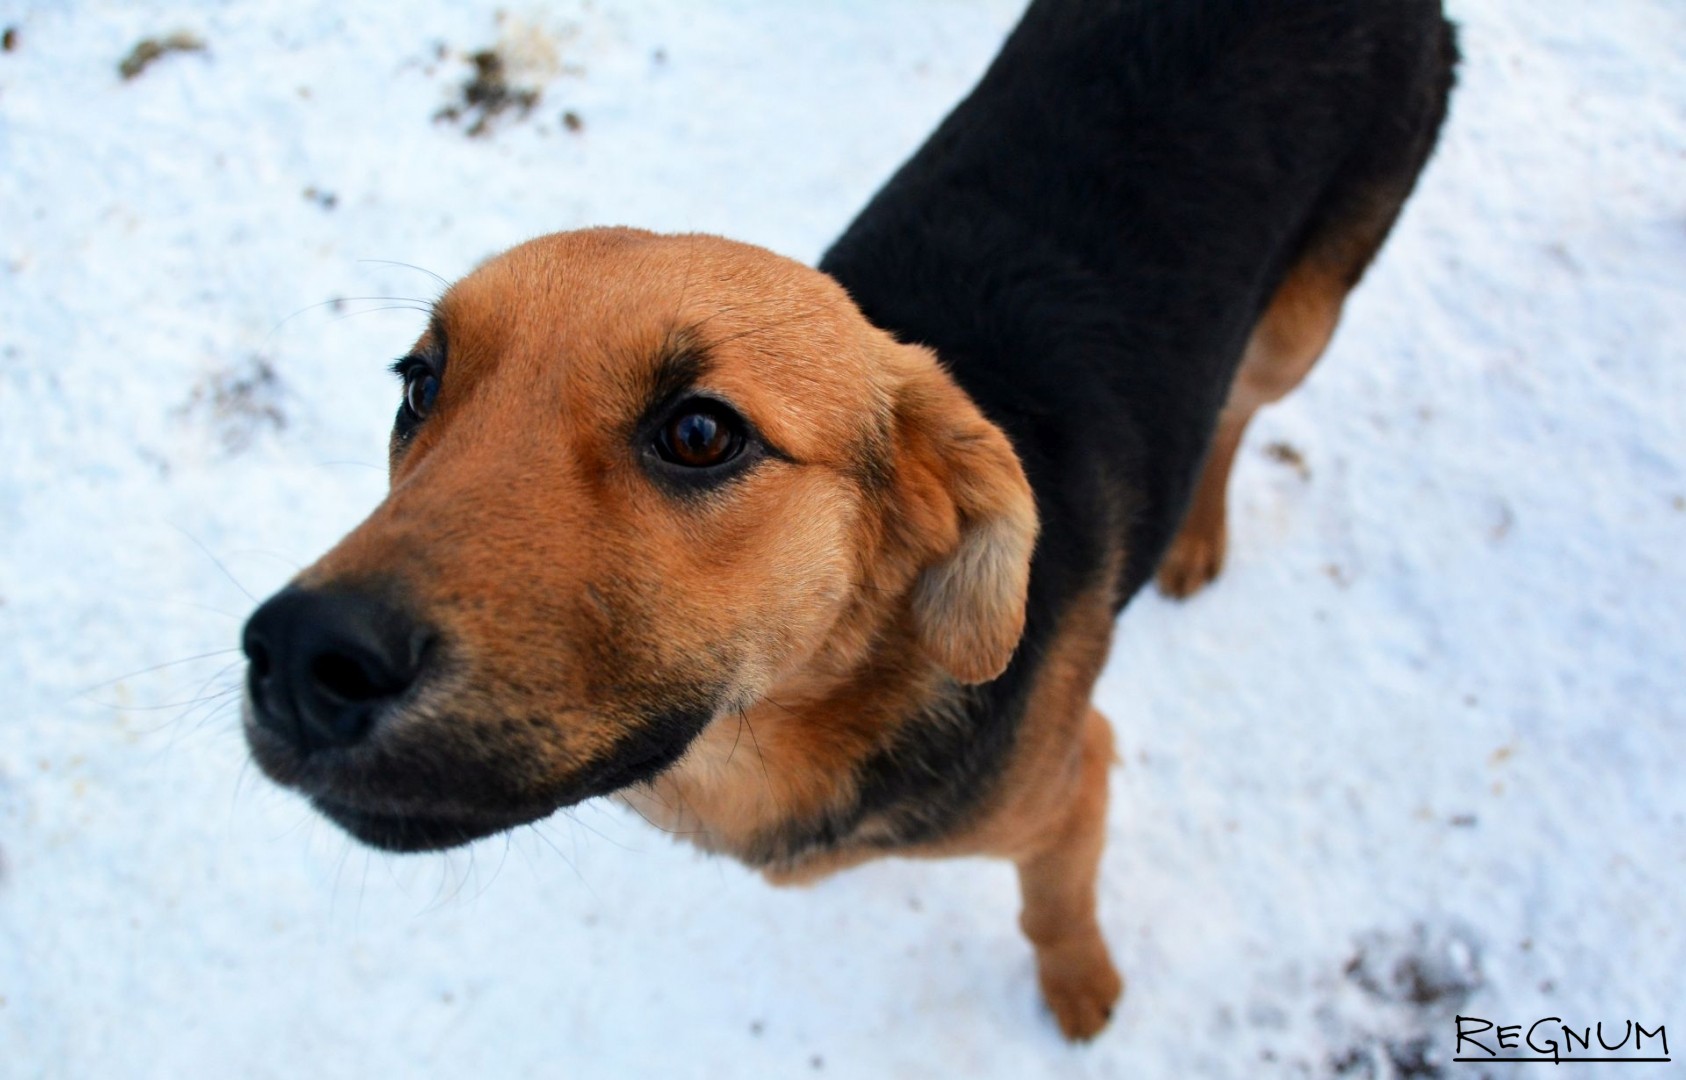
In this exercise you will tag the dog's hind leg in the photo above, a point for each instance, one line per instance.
(1285, 343)
(1057, 880)
(1343, 235)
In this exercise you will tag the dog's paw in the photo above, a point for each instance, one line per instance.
(1080, 991)
(1193, 560)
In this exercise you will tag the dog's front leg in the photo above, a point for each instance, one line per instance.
(1058, 883)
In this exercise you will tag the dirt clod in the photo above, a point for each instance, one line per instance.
(149, 50)
(1287, 454)
(488, 94)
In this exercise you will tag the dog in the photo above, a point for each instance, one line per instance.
(814, 566)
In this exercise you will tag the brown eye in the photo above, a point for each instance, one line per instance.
(700, 435)
(420, 388)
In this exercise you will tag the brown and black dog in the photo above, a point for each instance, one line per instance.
(814, 566)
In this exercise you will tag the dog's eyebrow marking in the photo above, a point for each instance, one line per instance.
(680, 365)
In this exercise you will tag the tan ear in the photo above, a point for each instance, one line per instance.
(967, 511)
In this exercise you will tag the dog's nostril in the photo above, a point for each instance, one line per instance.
(345, 678)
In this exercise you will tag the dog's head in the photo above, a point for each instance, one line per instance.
(638, 482)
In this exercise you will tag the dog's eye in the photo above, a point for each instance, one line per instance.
(421, 386)
(700, 434)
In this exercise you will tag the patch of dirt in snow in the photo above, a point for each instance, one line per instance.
(509, 76)
(239, 403)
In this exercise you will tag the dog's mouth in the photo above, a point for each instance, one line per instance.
(413, 800)
(435, 830)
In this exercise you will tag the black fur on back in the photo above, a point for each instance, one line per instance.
(1087, 241)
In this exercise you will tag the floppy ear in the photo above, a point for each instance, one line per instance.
(966, 511)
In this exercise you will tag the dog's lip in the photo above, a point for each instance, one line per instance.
(622, 774)
(343, 787)
(434, 829)
(410, 831)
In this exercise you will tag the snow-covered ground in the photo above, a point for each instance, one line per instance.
(1418, 752)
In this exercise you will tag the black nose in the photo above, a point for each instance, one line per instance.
(323, 662)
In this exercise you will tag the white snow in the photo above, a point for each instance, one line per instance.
(1430, 720)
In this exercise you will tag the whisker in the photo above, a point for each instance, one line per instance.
(736, 739)
(539, 832)
(650, 790)
(199, 694)
(215, 560)
(768, 780)
(200, 607)
(180, 727)
(362, 888)
(218, 674)
(239, 785)
(496, 870)
(157, 667)
(439, 889)
(685, 813)
(267, 553)
(339, 869)
(409, 266)
(384, 307)
(574, 842)
(456, 893)
(428, 308)
(568, 812)
(217, 712)
(188, 703)
(659, 828)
